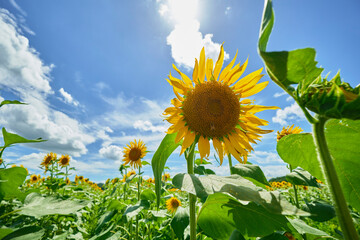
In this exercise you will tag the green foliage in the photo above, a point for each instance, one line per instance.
(26, 233)
(250, 171)
(148, 194)
(10, 181)
(12, 138)
(180, 222)
(10, 102)
(301, 177)
(167, 146)
(320, 210)
(304, 229)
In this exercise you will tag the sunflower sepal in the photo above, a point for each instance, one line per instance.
(332, 99)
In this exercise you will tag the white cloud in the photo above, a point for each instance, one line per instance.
(263, 157)
(275, 170)
(17, 7)
(227, 10)
(67, 98)
(148, 126)
(23, 73)
(279, 94)
(292, 112)
(289, 99)
(111, 152)
(185, 39)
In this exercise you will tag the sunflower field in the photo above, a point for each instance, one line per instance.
(318, 199)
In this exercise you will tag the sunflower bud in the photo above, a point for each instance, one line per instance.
(332, 99)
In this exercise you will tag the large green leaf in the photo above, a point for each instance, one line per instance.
(5, 231)
(12, 138)
(10, 180)
(180, 222)
(320, 210)
(301, 177)
(343, 137)
(298, 150)
(239, 187)
(250, 171)
(37, 206)
(167, 146)
(221, 214)
(304, 229)
(286, 68)
(148, 194)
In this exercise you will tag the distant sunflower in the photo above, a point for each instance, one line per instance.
(166, 177)
(64, 160)
(287, 131)
(48, 159)
(34, 178)
(214, 109)
(134, 153)
(172, 204)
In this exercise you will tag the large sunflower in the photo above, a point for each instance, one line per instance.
(213, 108)
(134, 153)
(64, 160)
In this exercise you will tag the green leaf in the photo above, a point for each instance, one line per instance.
(235, 215)
(303, 228)
(106, 217)
(320, 210)
(180, 222)
(201, 170)
(10, 102)
(286, 68)
(298, 150)
(148, 194)
(275, 236)
(301, 177)
(238, 187)
(11, 138)
(10, 180)
(37, 206)
(133, 210)
(251, 171)
(5, 231)
(201, 161)
(26, 233)
(144, 163)
(236, 235)
(167, 146)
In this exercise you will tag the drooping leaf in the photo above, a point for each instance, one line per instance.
(144, 163)
(239, 187)
(133, 210)
(180, 222)
(148, 194)
(251, 171)
(301, 177)
(221, 214)
(25, 233)
(303, 228)
(201, 170)
(167, 146)
(12, 138)
(320, 210)
(10, 102)
(10, 180)
(37, 206)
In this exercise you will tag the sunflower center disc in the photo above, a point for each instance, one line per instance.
(211, 109)
(134, 154)
(174, 203)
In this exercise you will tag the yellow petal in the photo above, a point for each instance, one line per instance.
(219, 149)
(196, 72)
(186, 79)
(238, 73)
(219, 63)
(259, 87)
(181, 133)
(232, 150)
(177, 87)
(227, 68)
(202, 65)
(235, 143)
(247, 79)
(188, 140)
(209, 68)
(204, 147)
(231, 72)
(258, 108)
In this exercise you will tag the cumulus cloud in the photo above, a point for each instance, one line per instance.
(148, 126)
(111, 152)
(263, 157)
(23, 73)
(272, 171)
(67, 98)
(185, 39)
(279, 94)
(290, 113)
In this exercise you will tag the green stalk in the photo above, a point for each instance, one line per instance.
(342, 210)
(137, 216)
(192, 198)
(230, 163)
(295, 191)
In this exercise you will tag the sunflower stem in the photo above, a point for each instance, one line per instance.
(230, 163)
(192, 198)
(341, 208)
(295, 191)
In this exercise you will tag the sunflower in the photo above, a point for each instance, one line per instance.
(131, 172)
(134, 153)
(172, 204)
(67, 181)
(34, 178)
(64, 160)
(1, 161)
(48, 159)
(214, 109)
(288, 131)
(166, 177)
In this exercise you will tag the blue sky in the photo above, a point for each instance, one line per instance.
(94, 73)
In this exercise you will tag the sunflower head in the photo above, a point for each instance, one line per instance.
(14, 165)
(64, 160)
(130, 173)
(287, 131)
(166, 177)
(134, 153)
(172, 204)
(81, 178)
(34, 178)
(67, 181)
(211, 106)
(48, 159)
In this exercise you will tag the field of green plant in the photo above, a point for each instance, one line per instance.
(318, 199)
